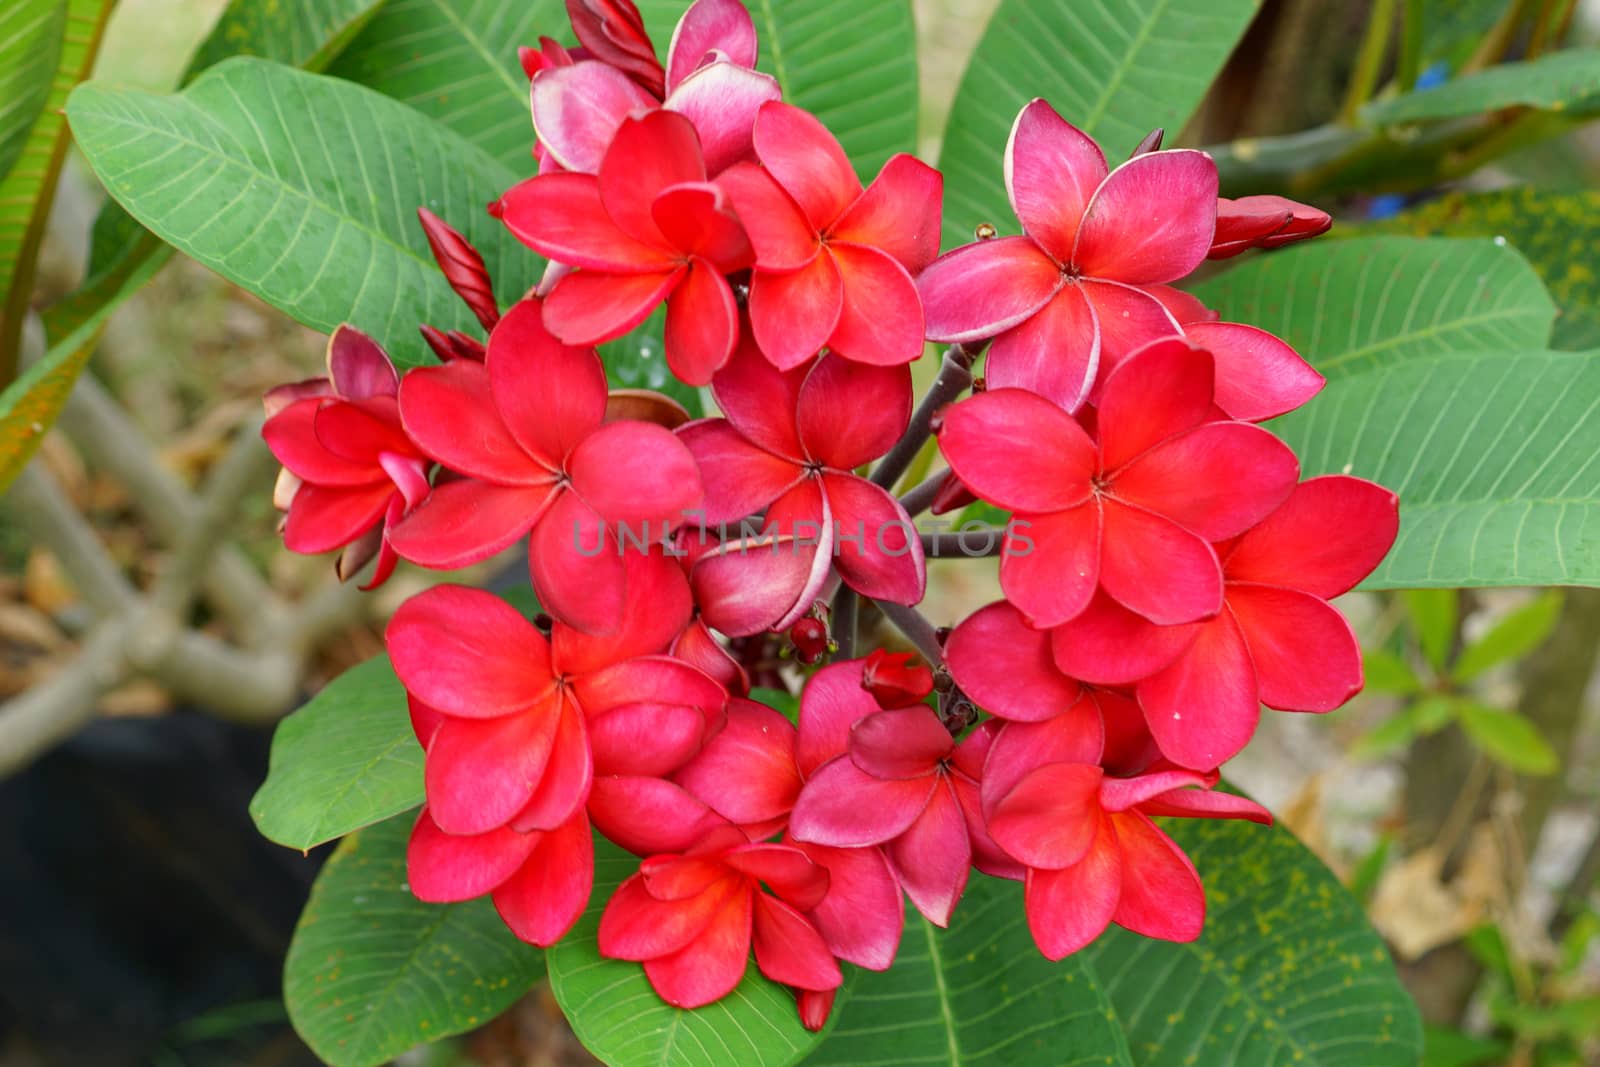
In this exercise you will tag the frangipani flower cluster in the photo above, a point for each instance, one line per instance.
(1165, 570)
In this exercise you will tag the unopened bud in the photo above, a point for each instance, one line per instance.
(1151, 143)
(810, 640)
(1263, 222)
(815, 1007)
(463, 267)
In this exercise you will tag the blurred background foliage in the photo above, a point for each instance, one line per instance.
(1457, 796)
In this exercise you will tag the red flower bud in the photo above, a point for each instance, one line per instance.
(1151, 143)
(1263, 222)
(463, 267)
(810, 639)
(815, 1007)
(613, 32)
(952, 495)
(894, 681)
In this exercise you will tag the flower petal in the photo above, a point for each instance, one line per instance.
(562, 216)
(702, 324)
(450, 413)
(564, 786)
(1075, 736)
(638, 925)
(1004, 664)
(1068, 909)
(793, 314)
(1306, 656)
(876, 547)
(722, 99)
(740, 479)
(658, 607)
(785, 869)
(760, 400)
(880, 320)
(898, 213)
(832, 701)
(480, 772)
(649, 815)
(807, 161)
(747, 772)
(543, 900)
(985, 288)
(712, 965)
(292, 437)
(465, 652)
(1202, 710)
(1052, 170)
(465, 521)
(1217, 480)
(1329, 534)
(1156, 568)
(588, 307)
(577, 110)
(709, 26)
(1151, 220)
(1109, 645)
(769, 581)
(845, 807)
(648, 153)
(1049, 818)
(851, 413)
(549, 396)
(1018, 451)
(576, 567)
(782, 237)
(442, 868)
(789, 949)
(861, 917)
(358, 366)
(1050, 564)
(697, 218)
(1258, 376)
(900, 743)
(1160, 391)
(933, 857)
(1055, 353)
(321, 519)
(1161, 892)
(1129, 318)
(637, 474)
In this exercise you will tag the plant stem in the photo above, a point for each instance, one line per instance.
(55, 525)
(921, 498)
(1374, 46)
(1410, 67)
(979, 542)
(1498, 40)
(955, 376)
(846, 610)
(918, 630)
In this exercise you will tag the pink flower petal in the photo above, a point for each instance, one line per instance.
(1217, 480)
(1068, 909)
(877, 550)
(1004, 665)
(722, 99)
(450, 413)
(898, 213)
(576, 568)
(1161, 892)
(880, 321)
(697, 219)
(645, 739)
(1049, 818)
(1109, 645)
(637, 925)
(590, 307)
(782, 237)
(1018, 451)
(1050, 564)
(702, 324)
(1258, 376)
(1077, 735)
(637, 474)
(902, 743)
(1158, 392)
(648, 153)
(564, 786)
(1129, 318)
(649, 815)
(543, 900)
(712, 966)
(465, 652)
(1202, 710)
(1306, 656)
(793, 314)
(1052, 170)
(577, 110)
(1055, 353)
(851, 413)
(789, 949)
(761, 400)
(785, 869)
(465, 522)
(323, 519)
(747, 772)
(845, 807)
(563, 217)
(769, 581)
(1205, 804)
(549, 396)
(710, 26)
(1156, 568)
(672, 877)
(441, 867)
(740, 479)
(480, 772)
(985, 288)
(292, 437)
(807, 161)
(987, 856)
(861, 917)
(358, 366)
(831, 702)
(658, 606)
(1122, 794)
(1151, 220)
(361, 430)
(1329, 534)
(933, 858)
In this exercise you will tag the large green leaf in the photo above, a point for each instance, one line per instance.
(302, 33)
(30, 45)
(347, 759)
(621, 1019)
(1365, 304)
(1560, 81)
(1115, 70)
(303, 190)
(1554, 230)
(373, 971)
(1288, 970)
(978, 993)
(456, 61)
(852, 64)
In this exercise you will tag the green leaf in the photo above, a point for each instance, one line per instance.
(1453, 29)
(1367, 304)
(1287, 971)
(1364, 879)
(1433, 616)
(30, 45)
(1507, 738)
(1115, 70)
(372, 971)
(1560, 81)
(1519, 632)
(304, 190)
(303, 33)
(1452, 1048)
(1554, 230)
(978, 993)
(620, 1019)
(347, 759)
(1424, 717)
(851, 64)
(456, 62)
(1386, 672)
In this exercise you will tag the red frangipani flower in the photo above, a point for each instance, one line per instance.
(710, 79)
(1081, 290)
(790, 444)
(834, 263)
(350, 472)
(649, 228)
(1131, 510)
(525, 429)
